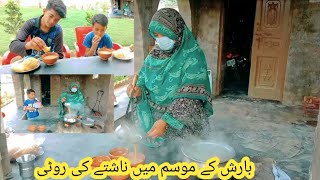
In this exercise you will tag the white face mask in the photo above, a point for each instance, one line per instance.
(165, 43)
(74, 90)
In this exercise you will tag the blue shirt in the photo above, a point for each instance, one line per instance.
(30, 103)
(104, 42)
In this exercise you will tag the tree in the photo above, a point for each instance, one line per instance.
(89, 17)
(14, 20)
(104, 6)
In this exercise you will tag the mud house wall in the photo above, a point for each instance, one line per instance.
(303, 68)
(144, 10)
(90, 91)
(35, 81)
(89, 88)
(185, 11)
(55, 87)
(59, 84)
(21, 82)
(205, 20)
(18, 88)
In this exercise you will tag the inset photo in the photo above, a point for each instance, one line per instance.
(57, 103)
(121, 98)
(67, 37)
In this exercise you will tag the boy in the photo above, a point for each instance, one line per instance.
(44, 31)
(98, 38)
(29, 105)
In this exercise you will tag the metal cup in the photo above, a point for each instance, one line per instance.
(37, 104)
(124, 132)
(26, 165)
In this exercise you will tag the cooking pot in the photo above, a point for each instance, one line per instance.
(88, 122)
(70, 119)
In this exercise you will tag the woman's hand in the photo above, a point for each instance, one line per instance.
(133, 91)
(158, 129)
(63, 100)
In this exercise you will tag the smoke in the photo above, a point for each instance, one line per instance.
(75, 110)
(87, 110)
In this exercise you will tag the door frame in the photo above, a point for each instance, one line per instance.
(220, 71)
(218, 86)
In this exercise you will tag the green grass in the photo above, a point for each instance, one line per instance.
(120, 30)
(119, 78)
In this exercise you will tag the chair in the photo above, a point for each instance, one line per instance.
(6, 59)
(66, 51)
(8, 55)
(116, 46)
(81, 33)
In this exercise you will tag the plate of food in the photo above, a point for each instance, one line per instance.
(25, 65)
(123, 54)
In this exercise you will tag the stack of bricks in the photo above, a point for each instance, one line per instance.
(311, 106)
(319, 115)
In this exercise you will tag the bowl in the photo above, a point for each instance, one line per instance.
(135, 160)
(104, 54)
(50, 58)
(41, 128)
(200, 152)
(124, 177)
(97, 160)
(115, 153)
(32, 128)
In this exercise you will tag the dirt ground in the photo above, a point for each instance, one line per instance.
(267, 131)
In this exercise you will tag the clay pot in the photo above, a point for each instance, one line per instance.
(32, 128)
(135, 161)
(104, 54)
(120, 177)
(42, 128)
(50, 58)
(97, 160)
(115, 153)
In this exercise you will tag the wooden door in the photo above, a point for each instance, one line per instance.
(269, 49)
